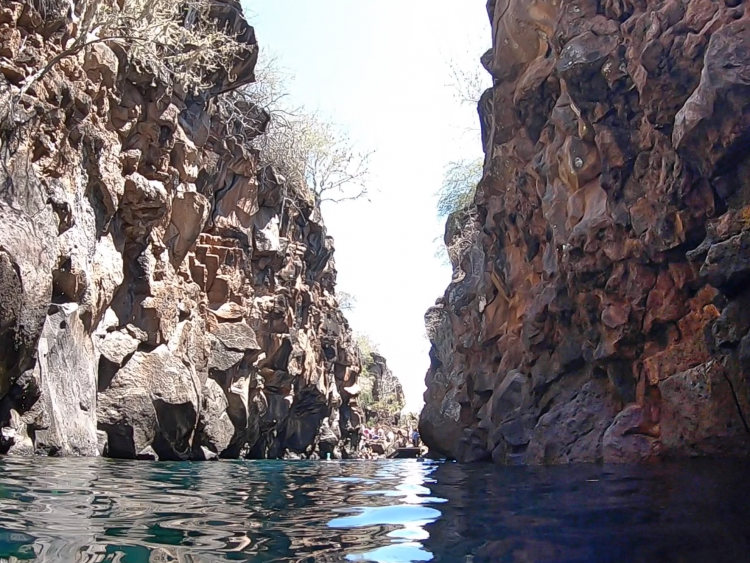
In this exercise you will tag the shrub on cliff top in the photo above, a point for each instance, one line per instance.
(459, 186)
(455, 203)
(177, 42)
(315, 157)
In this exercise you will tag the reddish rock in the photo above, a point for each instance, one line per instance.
(616, 236)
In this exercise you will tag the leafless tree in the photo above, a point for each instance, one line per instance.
(173, 40)
(345, 300)
(314, 156)
(468, 82)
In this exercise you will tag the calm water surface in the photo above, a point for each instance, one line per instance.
(388, 511)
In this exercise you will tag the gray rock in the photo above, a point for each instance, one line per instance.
(236, 336)
(116, 346)
(153, 400)
(207, 455)
(630, 438)
(15, 437)
(221, 358)
(101, 442)
(699, 414)
(27, 254)
(215, 428)
(147, 454)
(66, 368)
(573, 430)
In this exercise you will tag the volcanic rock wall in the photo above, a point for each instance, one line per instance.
(601, 309)
(386, 386)
(161, 294)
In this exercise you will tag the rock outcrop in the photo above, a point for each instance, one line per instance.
(382, 395)
(162, 294)
(600, 309)
(386, 386)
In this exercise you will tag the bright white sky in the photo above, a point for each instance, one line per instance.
(381, 70)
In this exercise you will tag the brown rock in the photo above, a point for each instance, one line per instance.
(179, 268)
(615, 137)
(699, 414)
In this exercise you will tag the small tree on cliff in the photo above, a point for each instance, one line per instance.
(311, 153)
(346, 300)
(459, 186)
(455, 201)
(469, 81)
(176, 41)
(365, 347)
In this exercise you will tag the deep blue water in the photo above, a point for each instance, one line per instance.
(78, 510)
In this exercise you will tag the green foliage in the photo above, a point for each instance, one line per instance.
(459, 186)
(365, 347)
(387, 408)
(365, 395)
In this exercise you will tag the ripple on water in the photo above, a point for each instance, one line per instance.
(86, 511)
(100, 510)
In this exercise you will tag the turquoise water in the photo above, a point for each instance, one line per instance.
(78, 510)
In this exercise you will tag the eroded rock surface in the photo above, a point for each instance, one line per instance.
(600, 311)
(161, 294)
(386, 386)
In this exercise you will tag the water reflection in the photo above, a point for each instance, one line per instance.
(397, 511)
(697, 511)
(98, 510)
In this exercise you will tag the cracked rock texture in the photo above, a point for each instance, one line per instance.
(161, 294)
(386, 386)
(600, 312)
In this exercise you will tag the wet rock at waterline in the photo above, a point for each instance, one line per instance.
(597, 313)
(162, 295)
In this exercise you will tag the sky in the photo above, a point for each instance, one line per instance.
(381, 71)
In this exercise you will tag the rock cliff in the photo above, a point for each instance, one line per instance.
(386, 386)
(599, 310)
(161, 293)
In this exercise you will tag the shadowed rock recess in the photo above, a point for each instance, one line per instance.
(600, 312)
(161, 294)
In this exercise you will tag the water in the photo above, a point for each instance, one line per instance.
(78, 510)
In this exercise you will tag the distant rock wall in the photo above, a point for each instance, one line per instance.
(386, 386)
(601, 309)
(161, 294)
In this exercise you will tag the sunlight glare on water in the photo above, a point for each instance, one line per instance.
(401, 511)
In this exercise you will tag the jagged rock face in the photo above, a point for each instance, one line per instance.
(600, 313)
(386, 386)
(161, 294)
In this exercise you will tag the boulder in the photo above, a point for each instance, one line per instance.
(154, 400)
(66, 375)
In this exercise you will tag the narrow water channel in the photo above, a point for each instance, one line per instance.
(90, 510)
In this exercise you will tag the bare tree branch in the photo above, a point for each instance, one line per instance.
(313, 155)
(176, 39)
